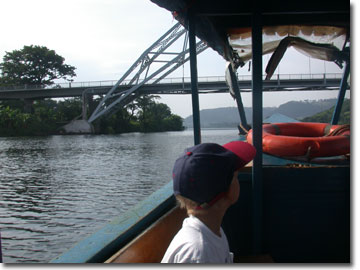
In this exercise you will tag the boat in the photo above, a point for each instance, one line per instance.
(288, 211)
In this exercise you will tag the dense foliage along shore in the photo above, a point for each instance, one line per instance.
(47, 117)
(325, 116)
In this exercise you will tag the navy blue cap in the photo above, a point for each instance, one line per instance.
(206, 170)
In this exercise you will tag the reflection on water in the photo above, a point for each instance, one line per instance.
(56, 190)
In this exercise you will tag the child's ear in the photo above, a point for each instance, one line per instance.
(233, 191)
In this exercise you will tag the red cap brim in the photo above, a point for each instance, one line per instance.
(245, 151)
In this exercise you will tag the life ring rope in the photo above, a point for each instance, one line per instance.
(342, 129)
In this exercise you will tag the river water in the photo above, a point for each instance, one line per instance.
(56, 190)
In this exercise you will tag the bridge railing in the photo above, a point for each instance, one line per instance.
(315, 76)
(110, 83)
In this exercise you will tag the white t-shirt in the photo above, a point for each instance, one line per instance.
(196, 243)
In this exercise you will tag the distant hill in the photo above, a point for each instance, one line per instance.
(279, 118)
(325, 116)
(301, 109)
(229, 116)
(221, 117)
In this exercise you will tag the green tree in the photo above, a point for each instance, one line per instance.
(34, 65)
(13, 122)
(2, 81)
(143, 104)
(13, 104)
(173, 123)
(326, 116)
(69, 109)
(159, 118)
(118, 122)
(157, 113)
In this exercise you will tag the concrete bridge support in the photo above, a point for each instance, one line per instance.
(82, 126)
(78, 126)
(28, 105)
(88, 103)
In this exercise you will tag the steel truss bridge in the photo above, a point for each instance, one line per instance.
(149, 75)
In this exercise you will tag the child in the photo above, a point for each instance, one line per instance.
(206, 185)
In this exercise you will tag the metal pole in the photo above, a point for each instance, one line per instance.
(194, 81)
(340, 100)
(257, 130)
(235, 87)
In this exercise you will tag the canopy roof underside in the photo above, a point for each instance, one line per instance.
(319, 29)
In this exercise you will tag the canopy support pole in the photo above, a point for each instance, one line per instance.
(236, 90)
(257, 102)
(340, 100)
(194, 81)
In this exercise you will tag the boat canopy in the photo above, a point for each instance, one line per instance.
(320, 42)
(318, 29)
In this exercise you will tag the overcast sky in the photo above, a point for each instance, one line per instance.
(102, 38)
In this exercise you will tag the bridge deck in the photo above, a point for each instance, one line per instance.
(291, 82)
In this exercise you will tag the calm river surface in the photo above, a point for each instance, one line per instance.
(56, 190)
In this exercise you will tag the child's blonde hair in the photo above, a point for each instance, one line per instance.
(189, 205)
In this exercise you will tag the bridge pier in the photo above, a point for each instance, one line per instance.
(82, 126)
(88, 103)
(28, 108)
(85, 97)
(78, 126)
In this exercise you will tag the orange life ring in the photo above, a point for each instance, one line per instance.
(305, 139)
